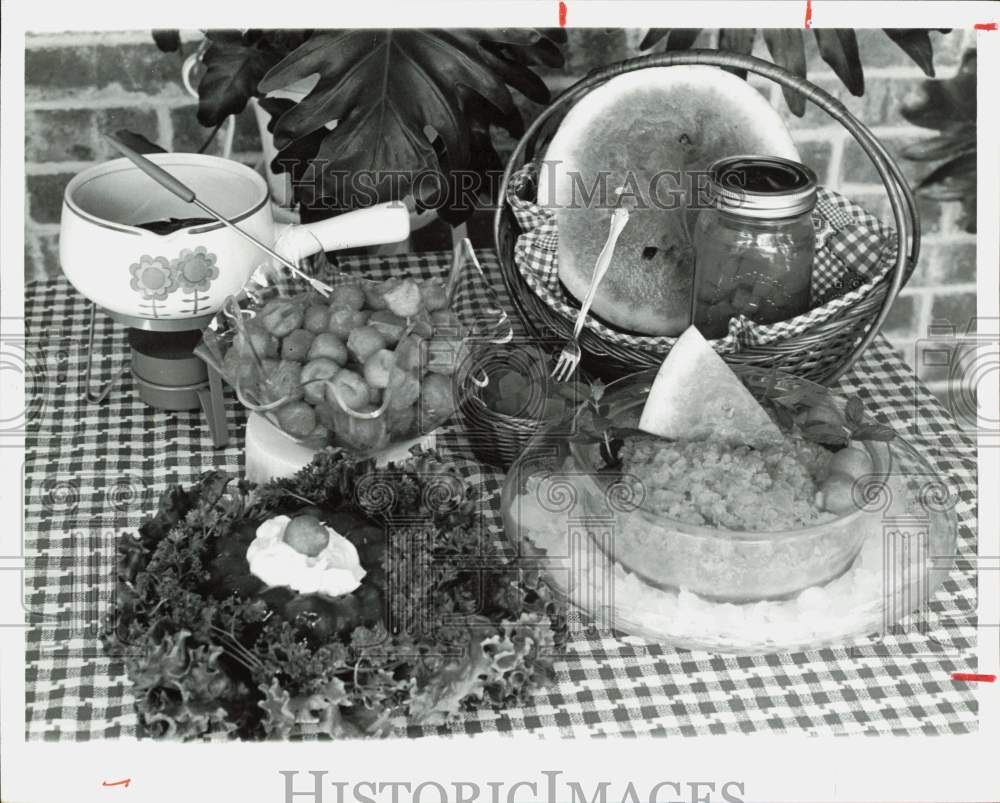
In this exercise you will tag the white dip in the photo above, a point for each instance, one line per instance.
(334, 571)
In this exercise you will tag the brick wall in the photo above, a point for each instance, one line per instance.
(80, 84)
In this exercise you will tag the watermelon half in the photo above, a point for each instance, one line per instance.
(650, 130)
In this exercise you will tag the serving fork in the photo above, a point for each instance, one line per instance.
(570, 356)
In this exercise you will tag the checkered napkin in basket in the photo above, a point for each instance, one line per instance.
(854, 252)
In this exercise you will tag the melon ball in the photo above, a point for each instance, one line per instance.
(377, 368)
(255, 340)
(411, 353)
(347, 296)
(403, 388)
(344, 320)
(282, 316)
(838, 494)
(314, 376)
(306, 534)
(317, 319)
(363, 342)
(297, 419)
(432, 295)
(296, 345)
(389, 325)
(375, 293)
(853, 461)
(283, 382)
(327, 345)
(352, 390)
(404, 298)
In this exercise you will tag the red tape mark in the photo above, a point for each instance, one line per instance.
(809, 14)
(562, 15)
(973, 677)
(126, 782)
(985, 26)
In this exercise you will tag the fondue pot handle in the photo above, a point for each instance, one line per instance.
(382, 223)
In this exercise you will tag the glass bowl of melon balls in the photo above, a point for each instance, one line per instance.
(367, 367)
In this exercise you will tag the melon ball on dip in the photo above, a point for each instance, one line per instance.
(305, 555)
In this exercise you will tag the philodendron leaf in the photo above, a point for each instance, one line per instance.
(167, 41)
(916, 43)
(839, 49)
(960, 140)
(787, 48)
(737, 40)
(138, 142)
(407, 103)
(234, 64)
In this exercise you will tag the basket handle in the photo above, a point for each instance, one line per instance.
(901, 200)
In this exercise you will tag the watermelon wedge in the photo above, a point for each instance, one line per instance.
(696, 396)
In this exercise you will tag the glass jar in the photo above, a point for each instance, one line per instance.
(753, 243)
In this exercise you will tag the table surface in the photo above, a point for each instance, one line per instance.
(93, 471)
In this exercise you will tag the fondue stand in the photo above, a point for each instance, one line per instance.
(167, 373)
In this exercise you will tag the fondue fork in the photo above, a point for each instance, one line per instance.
(185, 193)
(570, 356)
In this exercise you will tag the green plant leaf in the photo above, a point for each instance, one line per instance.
(916, 43)
(677, 38)
(873, 432)
(234, 64)
(839, 49)
(957, 175)
(138, 142)
(406, 102)
(737, 40)
(854, 411)
(168, 41)
(958, 141)
(787, 48)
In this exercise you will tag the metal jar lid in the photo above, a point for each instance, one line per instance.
(761, 187)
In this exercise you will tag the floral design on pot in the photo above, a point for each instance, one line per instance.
(195, 269)
(154, 278)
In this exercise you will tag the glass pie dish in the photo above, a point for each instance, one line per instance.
(562, 499)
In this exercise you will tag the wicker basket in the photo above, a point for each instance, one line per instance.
(823, 352)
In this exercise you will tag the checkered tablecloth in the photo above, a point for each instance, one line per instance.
(93, 471)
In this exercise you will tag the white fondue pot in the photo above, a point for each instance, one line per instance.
(176, 280)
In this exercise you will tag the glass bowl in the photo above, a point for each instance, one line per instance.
(717, 564)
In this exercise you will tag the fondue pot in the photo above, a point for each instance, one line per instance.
(171, 281)
(167, 286)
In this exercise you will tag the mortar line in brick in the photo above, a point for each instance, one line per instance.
(165, 125)
(834, 164)
(54, 168)
(167, 99)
